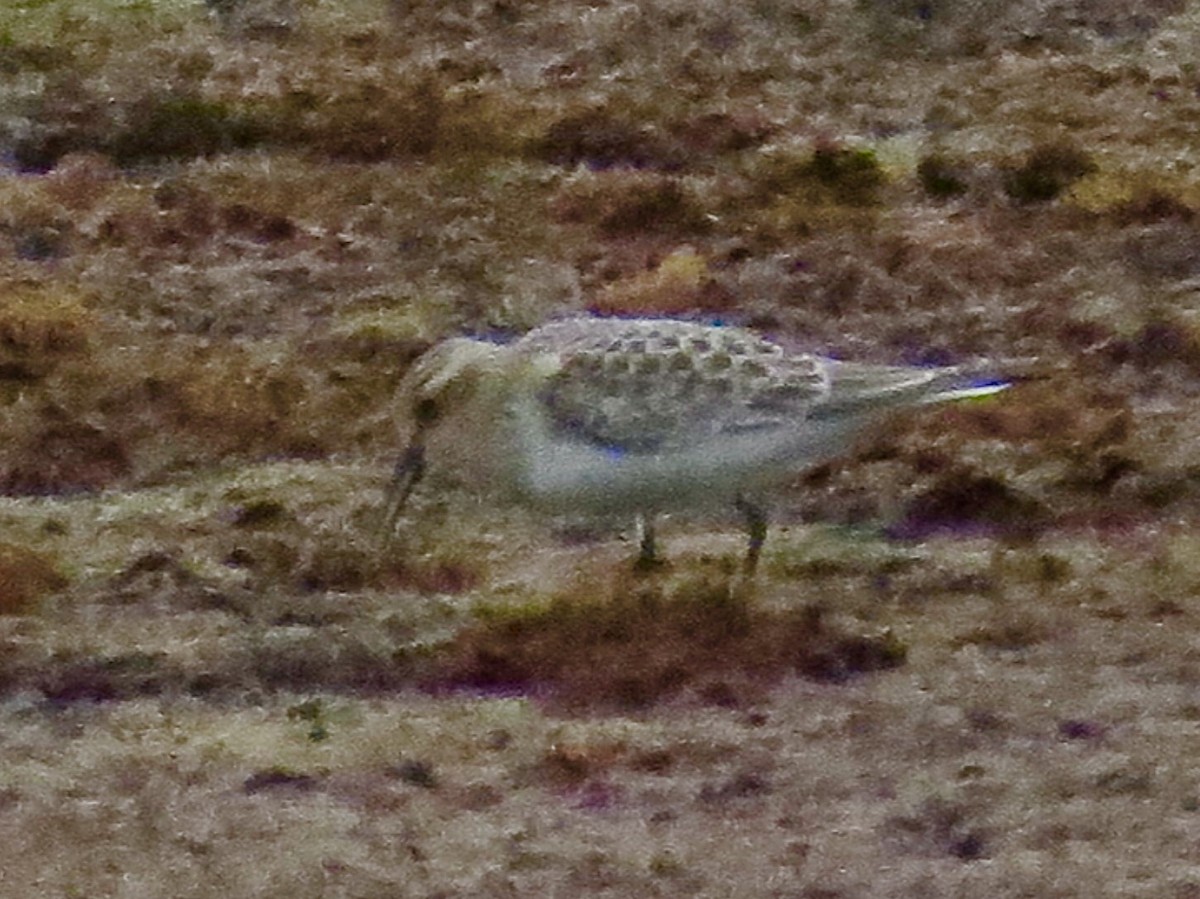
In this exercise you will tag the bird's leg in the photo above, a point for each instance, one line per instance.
(647, 544)
(756, 527)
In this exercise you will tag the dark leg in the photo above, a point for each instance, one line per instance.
(647, 545)
(756, 527)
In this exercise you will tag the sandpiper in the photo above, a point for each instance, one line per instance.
(644, 416)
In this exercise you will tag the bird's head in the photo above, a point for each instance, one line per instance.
(446, 397)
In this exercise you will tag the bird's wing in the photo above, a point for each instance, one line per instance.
(648, 386)
(856, 388)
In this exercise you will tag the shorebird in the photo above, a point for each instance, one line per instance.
(643, 416)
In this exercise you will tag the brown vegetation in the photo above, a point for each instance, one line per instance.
(226, 230)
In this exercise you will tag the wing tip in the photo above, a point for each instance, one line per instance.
(978, 389)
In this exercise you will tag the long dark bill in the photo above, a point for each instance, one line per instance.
(410, 468)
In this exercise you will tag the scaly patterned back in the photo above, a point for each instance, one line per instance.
(647, 385)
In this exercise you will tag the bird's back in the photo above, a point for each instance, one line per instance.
(661, 385)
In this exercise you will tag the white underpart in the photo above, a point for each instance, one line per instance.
(601, 416)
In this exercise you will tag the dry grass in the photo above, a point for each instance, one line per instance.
(649, 642)
(226, 229)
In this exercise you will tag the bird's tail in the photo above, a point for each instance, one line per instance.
(858, 387)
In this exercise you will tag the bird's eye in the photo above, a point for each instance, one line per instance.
(426, 411)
